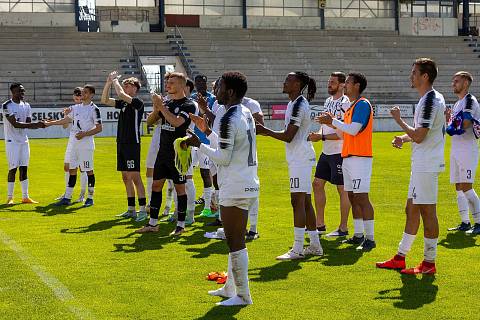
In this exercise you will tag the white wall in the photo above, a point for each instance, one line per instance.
(37, 19)
(387, 24)
(423, 26)
(124, 26)
(221, 22)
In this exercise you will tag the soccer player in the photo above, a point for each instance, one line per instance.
(128, 139)
(234, 153)
(427, 138)
(329, 165)
(357, 129)
(87, 122)
(77, 99)
(18, 115)
(203, 161)
(174, 116)
(300, 158)
(464, 152)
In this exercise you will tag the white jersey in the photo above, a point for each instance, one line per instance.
(236, 154)
(427, 156)
(337, 108)
(218, 110)
(85, 118)
(252, 105)
(300, 152)
(465, 147)
(21, 111)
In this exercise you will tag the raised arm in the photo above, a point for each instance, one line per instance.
(106, 100)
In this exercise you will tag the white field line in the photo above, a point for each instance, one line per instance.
(59, 289)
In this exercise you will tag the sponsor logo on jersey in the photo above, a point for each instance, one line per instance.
(251, 189)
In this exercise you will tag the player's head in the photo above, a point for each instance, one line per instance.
(232, 87)
(297, 82)
(461, 81)
(336, 82)
(216, 86)
(17, 90)
(77, 95)
(131, 86)
(424, 72)
(175, 83)
(189, 87)
(201, 83)
(88, 92)
(355, 84)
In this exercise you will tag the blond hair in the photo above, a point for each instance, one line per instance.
(465, 75)
(178, 75)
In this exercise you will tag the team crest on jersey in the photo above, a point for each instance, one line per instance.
(177, 109)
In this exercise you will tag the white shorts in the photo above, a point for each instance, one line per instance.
(357, 172)
(462, 173)
(152, 153)
(242, 203)
(81, 158)
(68, 153)
(213, 168)
(423, 187)
(201, 160)
(300, 179)
(18, 154)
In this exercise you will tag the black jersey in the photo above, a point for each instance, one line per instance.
(128, 130)
(169, 133)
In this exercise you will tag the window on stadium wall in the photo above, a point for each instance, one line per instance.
(427, 8)
(37, 6)
(359, 9)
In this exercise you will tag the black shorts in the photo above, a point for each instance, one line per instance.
(329, 168)
(165, 169)
(128, 157)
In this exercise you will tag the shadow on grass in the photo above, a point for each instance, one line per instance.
(458, 240)
(214, 247)
(278, 271)
(414, 294)
(98, 226)
(336, 256)
(52, 209)
(220, 312)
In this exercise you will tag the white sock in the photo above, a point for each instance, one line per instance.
(230, 283)
(358, 227)
(253, 215)
(314, 238)
(369, 229)
(83, 183)
(406, 243)
(430, 249)
(472, 197)
(67, 176)
(181, 224)
(153, 222)
(175, 199)
(169, 196)
(207, 196)
(299, 236)
(190, 190)
(149, 187)
(24, 185)
(10, 187)
(462, 204)
(68, 193)
(91, 190)
(240, 272)
(131, 208)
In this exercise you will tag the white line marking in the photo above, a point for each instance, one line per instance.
(59, 289)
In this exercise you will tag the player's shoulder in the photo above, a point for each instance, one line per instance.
(7, 103)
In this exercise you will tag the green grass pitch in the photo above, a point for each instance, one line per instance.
(85, 263)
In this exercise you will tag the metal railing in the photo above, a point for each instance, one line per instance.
(181, 54)
(37, 5)
(138, 61)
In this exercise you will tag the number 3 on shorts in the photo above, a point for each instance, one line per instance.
(356, 184)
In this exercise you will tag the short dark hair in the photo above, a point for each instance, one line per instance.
(133, 81)
(201, 77)
(15, 85)
(236, 81)
(339, 75)
(428, 66)
(77, 91)
(190, 84)
(359, 78)
(90, 88)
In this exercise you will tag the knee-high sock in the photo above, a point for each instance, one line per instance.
(155, 204)
(472, 197)
(169, 196)
(253, 215)
(149, 187)
(182, 207)
(462, 203)
(430, 249)
(190, 189)
(91, 186)
(83, 183)
(299, 237)
(72, 180)
(240, 272)
(24, 186)
(207, 196)
(10, 188)
(406, 243)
